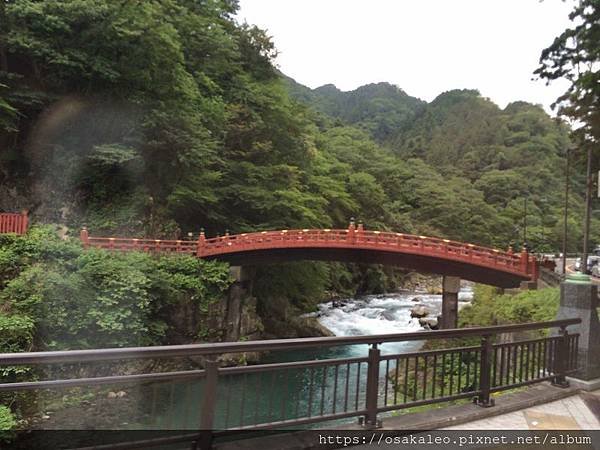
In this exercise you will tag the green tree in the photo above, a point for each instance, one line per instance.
(575, 55)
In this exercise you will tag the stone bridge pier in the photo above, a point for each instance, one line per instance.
(450, 289)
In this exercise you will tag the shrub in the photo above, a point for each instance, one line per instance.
(57, 296)
(490, 307)
(7, 420)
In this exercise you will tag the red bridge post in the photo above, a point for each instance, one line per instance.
(524, 260)
(534, 268)
(201, 242)
(360, 231)
(85, 237)
(24, 221)
(351, 230)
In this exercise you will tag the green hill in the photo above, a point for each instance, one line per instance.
(380, 109)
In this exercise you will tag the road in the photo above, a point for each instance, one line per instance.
(571, 268)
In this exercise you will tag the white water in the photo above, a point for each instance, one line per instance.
(382, 314)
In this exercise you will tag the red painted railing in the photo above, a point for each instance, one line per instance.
(520, 263)
(14, 222)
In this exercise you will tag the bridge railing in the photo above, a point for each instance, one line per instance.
(142, 245)
(377, 239)
(520, 263)
(207, 396)
(14, 222)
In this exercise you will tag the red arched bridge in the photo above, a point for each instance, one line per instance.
(354, 244)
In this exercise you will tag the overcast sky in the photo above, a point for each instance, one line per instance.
(424, 46)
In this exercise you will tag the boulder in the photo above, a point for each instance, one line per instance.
(338, 303)
(387, 315)
(415, 299)
(419, 311)
(430, 323)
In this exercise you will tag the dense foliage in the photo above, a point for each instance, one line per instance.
(54, 295)
(575, 55)
(492, 308)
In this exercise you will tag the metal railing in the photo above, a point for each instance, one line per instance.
(296, 393)
(550, 277)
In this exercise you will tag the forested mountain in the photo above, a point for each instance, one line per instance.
(381, 109)
(481, 162)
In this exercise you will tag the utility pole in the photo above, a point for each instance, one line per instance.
(565, 225)
(525, 223)
(588, 205)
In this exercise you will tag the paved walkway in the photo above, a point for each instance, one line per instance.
(577, 412)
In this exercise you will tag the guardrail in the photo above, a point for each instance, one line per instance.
(550, 277)
(14, 222)
(291, 394)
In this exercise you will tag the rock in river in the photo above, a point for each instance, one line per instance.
(388, 315)
(429, 322)
(419, 311)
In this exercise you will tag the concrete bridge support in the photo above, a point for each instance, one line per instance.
(450, 288)
(579, 298)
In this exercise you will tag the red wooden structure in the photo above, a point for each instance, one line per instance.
(14, 222)
(428, 254)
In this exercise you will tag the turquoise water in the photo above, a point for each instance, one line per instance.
(256, 398)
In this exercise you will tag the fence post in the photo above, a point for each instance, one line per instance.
(534, 269)
(85, 238)
(370, 420)
(561, 355)
(352, 230)
(201, 242)
(485, 374)
(24, 221)
(524, 262)
(209, 402)
(360, 231)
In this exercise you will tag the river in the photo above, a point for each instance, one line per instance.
(265, 397)
(244, 399)
(382, 314)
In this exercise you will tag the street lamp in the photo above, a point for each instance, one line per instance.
(588, 204)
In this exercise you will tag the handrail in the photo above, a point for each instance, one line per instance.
(388, 382)
(265, 345)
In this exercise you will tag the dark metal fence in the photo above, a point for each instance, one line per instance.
(291, 394)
